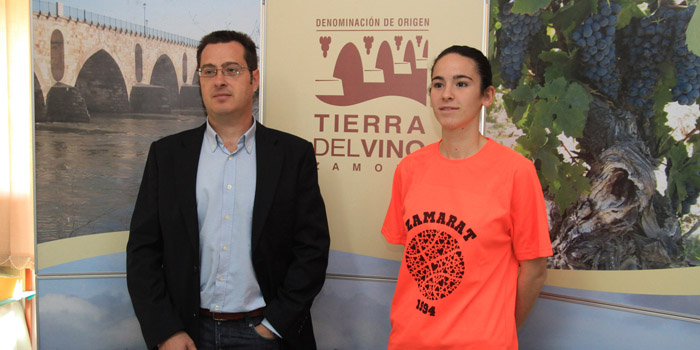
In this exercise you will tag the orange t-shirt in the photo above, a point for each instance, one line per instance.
(465, 225)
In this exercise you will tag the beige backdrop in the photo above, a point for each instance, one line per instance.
(370, 118)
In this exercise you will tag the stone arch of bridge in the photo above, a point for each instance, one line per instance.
(101, 84)
(164, 74)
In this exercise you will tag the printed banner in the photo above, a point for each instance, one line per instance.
(352, 78)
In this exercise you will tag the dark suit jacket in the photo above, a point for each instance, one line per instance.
(290, 239)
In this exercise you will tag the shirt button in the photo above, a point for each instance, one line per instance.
(221, 278)
(216, 307)
(225, 247)
(229, 187)
(226, 217)
(230, 157)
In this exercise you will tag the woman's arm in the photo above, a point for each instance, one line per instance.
(530, 280)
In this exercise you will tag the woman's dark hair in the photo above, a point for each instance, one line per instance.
(225, 36)
(482, 63)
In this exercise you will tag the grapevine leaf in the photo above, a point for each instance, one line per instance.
(662, 131)
(566, 105)
(573, 111)
(692, 34)
(569, 16)
(544, 115)
(552, 89)
(546, 16)
(630, 9)
(522, 93)
(553, 56)
(682, 174)
(661, 97)
(563, 195)
(529, 6)
(667, 74)
(520, 146)
(537, 135)
(695, 142)
(559, 65)
(575, 173)
(571, 182)
(518, 114)
(691, 174)
(548, 164)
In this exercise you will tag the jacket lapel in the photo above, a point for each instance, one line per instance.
(187, 160)
(269, 165)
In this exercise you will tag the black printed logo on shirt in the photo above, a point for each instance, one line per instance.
(434, 260)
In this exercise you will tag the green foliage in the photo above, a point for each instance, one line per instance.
(630, 9)
(692, 249)
(572, 13)
(683, 171)
(529, 6)
(662, 96)
(543, 113)
(693, 35)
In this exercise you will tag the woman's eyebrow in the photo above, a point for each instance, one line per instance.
(454, 77)
(461, 76)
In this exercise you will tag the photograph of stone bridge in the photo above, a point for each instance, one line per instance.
(105, 88)
(90, 63)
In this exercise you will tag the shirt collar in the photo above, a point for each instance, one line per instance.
(213, 140)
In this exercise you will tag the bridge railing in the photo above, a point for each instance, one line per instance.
(53, 9)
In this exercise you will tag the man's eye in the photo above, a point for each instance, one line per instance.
(209, 71)
(231, 70)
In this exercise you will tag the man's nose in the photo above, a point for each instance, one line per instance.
(219, 78)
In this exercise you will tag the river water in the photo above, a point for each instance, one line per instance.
(88, 174)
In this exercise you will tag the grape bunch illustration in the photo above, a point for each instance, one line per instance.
(434, 260)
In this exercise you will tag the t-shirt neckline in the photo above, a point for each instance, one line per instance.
(470, 158)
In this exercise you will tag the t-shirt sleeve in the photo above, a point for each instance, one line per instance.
(529, 215)
(393, 229)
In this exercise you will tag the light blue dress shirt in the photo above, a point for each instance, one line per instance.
(225, 195)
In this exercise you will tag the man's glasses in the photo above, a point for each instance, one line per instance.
(230, 70)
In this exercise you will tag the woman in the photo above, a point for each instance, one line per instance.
(472, 217)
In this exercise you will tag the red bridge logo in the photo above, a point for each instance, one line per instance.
(410, 82)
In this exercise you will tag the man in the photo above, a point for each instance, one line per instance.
(229, 237)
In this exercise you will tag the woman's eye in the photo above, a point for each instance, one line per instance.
(437, 85)
(462, 84)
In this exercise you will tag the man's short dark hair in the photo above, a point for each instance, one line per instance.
(226, 36)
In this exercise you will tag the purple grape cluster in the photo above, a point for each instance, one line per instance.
(516, 32)
(648, 43)
(596, 38)
(687, 89)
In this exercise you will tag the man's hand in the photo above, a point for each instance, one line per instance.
(178, 341)
(264, 332)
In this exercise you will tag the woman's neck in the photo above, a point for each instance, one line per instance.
(458, 145)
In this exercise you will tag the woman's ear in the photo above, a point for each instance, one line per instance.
(488, 95)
